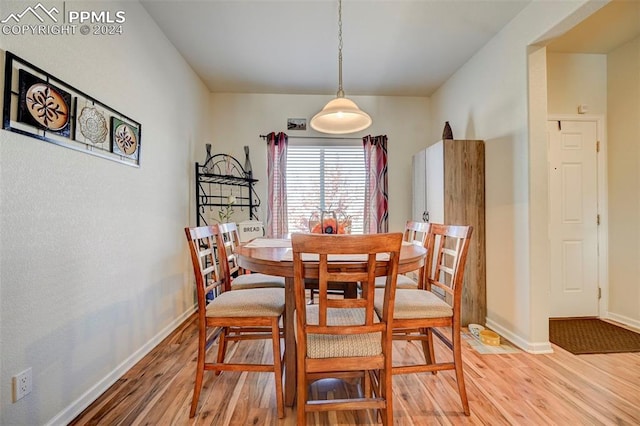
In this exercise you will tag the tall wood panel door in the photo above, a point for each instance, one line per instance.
(452, 192)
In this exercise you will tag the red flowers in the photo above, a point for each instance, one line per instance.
(331, 226)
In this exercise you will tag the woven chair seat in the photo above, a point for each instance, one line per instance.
(403, 281)
(247, 281)
(415, 304)
(351, 345)
(264, 302)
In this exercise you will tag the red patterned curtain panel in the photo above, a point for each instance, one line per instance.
(277, 181)
(376, 197)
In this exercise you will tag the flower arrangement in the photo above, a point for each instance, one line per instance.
(329, 226)
(226, 212)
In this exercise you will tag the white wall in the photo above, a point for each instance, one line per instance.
(239, 119)
(624, 182)
(575, 79)
(93, 261)
(488, 99)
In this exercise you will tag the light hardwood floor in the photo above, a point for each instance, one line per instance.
(508, 389)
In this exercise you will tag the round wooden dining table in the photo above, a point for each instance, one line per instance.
(273, 257)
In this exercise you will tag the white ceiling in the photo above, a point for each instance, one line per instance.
(392, 48)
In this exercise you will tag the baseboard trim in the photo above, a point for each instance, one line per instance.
(530, 347)
(76, 407)
(629, 322)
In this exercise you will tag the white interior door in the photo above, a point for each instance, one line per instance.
(573, 208)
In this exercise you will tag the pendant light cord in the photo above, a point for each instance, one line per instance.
(340, 91)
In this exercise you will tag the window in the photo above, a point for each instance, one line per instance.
(325, 178)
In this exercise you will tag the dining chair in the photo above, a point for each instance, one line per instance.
(414, 233)
(240, 280)
(341, 337)
(251, 314)
(419, 312)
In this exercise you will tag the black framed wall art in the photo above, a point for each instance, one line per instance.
(41, 106)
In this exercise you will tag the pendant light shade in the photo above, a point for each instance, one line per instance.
(341, 115)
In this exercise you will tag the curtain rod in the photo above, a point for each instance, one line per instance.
(313, 137)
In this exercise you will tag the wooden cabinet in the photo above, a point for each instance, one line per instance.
(448, 187)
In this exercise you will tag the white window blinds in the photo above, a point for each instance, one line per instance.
(325, 178)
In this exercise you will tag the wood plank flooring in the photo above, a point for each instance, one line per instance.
(506, 389)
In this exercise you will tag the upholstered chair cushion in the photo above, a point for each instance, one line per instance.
(264, 302)
(415, 304)
(246, 281)
(352, 345)
(402, 281)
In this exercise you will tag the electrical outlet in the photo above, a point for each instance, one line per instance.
(22, 384)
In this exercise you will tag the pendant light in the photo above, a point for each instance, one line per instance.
(341, 115)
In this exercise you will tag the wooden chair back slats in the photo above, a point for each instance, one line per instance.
(239, 278)
(358, 245)
(231, 239)
(449, 246)
(210, 278)
(416, 232)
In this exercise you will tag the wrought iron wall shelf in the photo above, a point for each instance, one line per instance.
(220, 177)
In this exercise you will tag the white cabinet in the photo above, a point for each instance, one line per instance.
(428, 193)
(448, 187)
(419, 187)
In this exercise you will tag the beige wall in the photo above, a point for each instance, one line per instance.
(623, 141)
(488, 98)
(93, 260)
(575, 79)
(239, 119)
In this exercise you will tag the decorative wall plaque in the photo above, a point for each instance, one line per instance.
(92, 126)
(124, 138)
(41, 106)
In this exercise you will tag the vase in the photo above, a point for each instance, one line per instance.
(314, 221)
(247, 163)
(208, 166)
(447, 133)
(329, 222)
